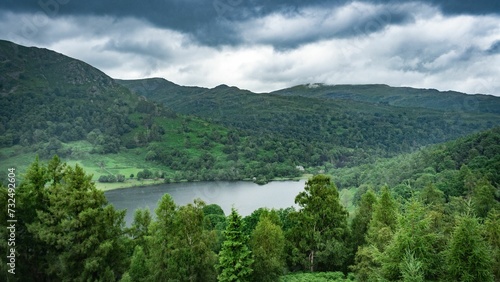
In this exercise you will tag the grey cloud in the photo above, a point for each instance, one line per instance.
(211, 22)
(322, 23)
(150, 48)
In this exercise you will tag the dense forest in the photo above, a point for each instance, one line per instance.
(312, 131)
(66, 231)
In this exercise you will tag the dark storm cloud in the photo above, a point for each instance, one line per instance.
(213, 22)
(264, 45)
(150, 48)
(494, 48)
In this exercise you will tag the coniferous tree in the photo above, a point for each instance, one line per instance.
(139, 231)
(384, 222)
(380, 232)
(235, 259)
(162, 230)
(417, 240)
(483, 198)
(138, 270)
(32, 197)
(411, 268)
(320, 234)
(84, 234)
(362, 218)
(492, 234)
(468, 256)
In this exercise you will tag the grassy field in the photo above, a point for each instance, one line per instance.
(127, 162)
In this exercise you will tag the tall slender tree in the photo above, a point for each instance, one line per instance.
(161, 244)
(492, 234)
(235, 259)
(362, 218)
(320, 234)
(468, 257)
(381, 229)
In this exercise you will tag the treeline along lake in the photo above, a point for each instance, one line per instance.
(245, 196)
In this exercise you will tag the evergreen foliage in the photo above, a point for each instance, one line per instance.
(320, 234)
(417, 242)
(381, 229)
(468, 257)
(362, 218)
(67, 232)
(235, 259)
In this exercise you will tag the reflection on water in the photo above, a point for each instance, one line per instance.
(245, 196)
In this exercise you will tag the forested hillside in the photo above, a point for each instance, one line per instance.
(453, 167)
(48, 95)
(314, 131)
(52, 104)
(399, 96)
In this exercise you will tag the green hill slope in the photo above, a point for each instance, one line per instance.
(450, 166)
(45, 94)
(53, 104)
(314, 131)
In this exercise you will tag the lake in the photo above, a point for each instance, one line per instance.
(245, 196)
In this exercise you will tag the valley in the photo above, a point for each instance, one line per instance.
(380, 175)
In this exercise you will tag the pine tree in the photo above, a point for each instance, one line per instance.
(84, 234)
(362, 218)
(468, 256)
(138, 270)
(320, 234)
(381, 230)
(235, 259)
(417, 237)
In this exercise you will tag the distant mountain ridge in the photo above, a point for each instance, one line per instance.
(399, 96)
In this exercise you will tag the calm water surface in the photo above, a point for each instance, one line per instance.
(245, 196)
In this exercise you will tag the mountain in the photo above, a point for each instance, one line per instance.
(53, 104)
(399, 96)
(339, 131)
(45, 94)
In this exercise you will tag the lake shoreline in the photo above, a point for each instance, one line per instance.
(151, 182)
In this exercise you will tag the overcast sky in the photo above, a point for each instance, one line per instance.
(265, 45)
